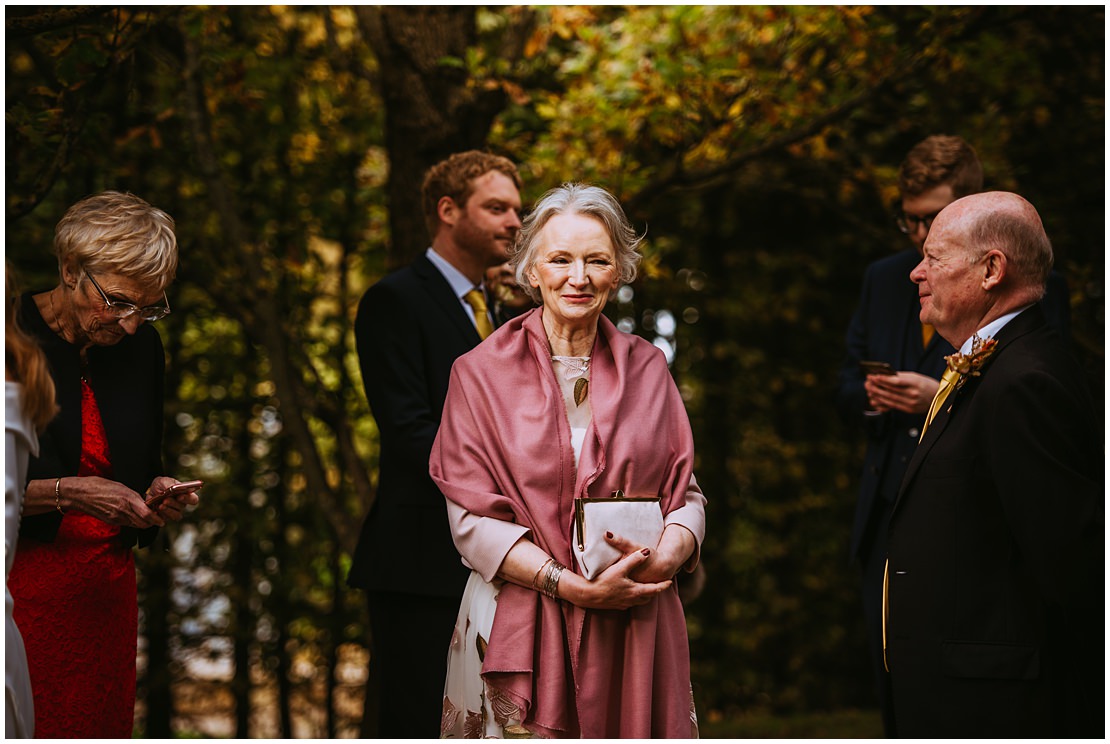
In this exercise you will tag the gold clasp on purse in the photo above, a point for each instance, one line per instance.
(580, 516)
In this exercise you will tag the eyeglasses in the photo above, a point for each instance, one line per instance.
(908, 223)
(121, 310)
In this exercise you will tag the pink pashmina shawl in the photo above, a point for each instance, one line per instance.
(504, 451)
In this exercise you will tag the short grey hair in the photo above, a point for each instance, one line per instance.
(119, 233)
(576, 198)
(1022, 241)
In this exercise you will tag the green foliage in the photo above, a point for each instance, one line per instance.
(756, 145)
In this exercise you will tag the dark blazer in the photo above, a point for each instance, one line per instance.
(409, 330)
(885, 327)
(127, 379)
(996, 554)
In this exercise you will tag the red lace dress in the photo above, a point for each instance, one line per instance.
(76, 606)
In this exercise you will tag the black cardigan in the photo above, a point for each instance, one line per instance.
(127, 378)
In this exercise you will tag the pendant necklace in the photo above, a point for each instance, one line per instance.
(576, 367)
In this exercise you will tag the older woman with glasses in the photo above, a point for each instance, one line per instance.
(85, 505)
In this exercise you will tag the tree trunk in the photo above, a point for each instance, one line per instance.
(155, 569)
(282, 610)
(242, 592)
(260, 308)
(430, 112)
(333, 638)
(159, 701)
(282, 648)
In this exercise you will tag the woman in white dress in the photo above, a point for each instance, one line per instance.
(28, 406)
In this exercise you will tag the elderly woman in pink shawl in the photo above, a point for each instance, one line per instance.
(559, 404)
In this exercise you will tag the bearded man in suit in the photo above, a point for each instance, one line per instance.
(994, 614)
(410, 328)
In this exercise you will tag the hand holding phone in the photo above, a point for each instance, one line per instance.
(184, 487)
(869, 367)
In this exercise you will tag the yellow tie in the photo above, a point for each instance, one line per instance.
(477, 300)
(947, 384)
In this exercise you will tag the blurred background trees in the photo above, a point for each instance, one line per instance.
(757, 147)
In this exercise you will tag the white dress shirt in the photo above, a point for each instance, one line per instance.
(460, 285)
(990, 330)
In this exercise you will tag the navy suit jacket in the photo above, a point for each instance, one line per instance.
(409, 330)
(996, 554)
(885, 327)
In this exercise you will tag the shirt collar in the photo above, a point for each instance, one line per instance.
(459, 283)
(990, 330)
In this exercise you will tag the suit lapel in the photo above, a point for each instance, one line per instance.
(1016, 328)
(440, 292)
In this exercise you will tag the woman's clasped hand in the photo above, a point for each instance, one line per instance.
(636, 578)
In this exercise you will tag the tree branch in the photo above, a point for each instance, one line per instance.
(269, 327)
(51, 20)
(677, 177)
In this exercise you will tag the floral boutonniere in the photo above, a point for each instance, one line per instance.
(969, 365)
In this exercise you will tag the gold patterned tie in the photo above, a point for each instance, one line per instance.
(947, 384)
(477, 300)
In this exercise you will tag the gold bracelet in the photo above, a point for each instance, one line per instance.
(536, 583)
(551, 579)
(58, 496)
(556, 575)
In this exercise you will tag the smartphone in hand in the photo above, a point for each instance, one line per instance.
(869, 367)
(876, 368)
(176, 488)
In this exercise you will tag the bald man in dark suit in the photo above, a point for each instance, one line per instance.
(885, 327)
(995, 560)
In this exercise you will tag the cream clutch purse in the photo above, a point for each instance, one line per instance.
(639, 520)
